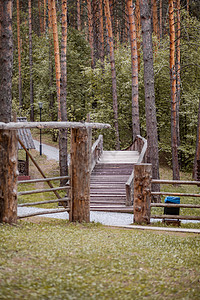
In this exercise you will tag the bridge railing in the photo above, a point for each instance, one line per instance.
(140, 145)
(97, 150)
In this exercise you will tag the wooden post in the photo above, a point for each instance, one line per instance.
(80, 175)
(8, 176)
(142, 193)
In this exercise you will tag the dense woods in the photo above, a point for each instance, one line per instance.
(80, 57)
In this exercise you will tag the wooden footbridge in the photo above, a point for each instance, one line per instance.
(98, 179)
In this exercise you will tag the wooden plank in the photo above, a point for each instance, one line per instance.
(43, 179)
(161, 181)
(156, 228)
(44, 212)
(43, 125)
(43, 190)
(175, 205)
(175, 217)
(44, 202)
(175, 194)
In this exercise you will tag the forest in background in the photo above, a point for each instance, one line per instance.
(89, 80)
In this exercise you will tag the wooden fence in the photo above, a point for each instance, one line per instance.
(65, 201)
(80, 166)
(142, 196)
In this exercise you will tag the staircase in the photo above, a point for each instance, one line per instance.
(108, 179)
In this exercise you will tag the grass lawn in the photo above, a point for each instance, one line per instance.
(52, 259)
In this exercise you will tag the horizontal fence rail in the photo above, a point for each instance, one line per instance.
(175, 194)
(45, 212)
(42, 179)
(43, 190)
(44, 202)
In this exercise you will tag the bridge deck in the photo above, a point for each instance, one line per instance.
(108, 179)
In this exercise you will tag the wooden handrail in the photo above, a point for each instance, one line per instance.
(96, 152)
(140, 145)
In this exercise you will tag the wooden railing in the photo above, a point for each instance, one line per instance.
(65, 201)
(97, 150)
(140, 145)
(142, 196)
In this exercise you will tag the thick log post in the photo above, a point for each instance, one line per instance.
(80, 175)
(8, 176)
(142, 193)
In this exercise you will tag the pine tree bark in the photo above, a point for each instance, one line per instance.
(78, 15)
(160, 11)
(63, 95)
(113, 71)
(40, 17)
(174, 140)
(30, 63)
(178, 66)
(134, 65)
(150, 108)
(196, 170)
(138, 28)
(6, 60)
(8, 142)
(19, 56)
(90, 31)
(45, 8)
(155, 18)
(56, 53)
(101, 31)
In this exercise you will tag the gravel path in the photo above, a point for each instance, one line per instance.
(106, 218)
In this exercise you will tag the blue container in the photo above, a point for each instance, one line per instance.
(172, 210)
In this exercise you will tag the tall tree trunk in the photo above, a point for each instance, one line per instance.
(101, 31)
(90, 29)
(56, 53)
(63, 96)
(160, 10)
(51, 95)
(178, 66)
(196, 167)
(138, 28)
(45, 8)
(155, 18)
(40, 17)
(174, 140)
(134, 65)
(113, 71)
(19, 56)
(78, 15)
(8, 144)
(150, 108)
(30, 62)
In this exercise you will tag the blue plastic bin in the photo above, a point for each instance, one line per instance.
(172, 210)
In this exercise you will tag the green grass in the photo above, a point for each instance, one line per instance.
(58, 260)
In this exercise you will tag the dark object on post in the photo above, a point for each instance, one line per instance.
(172, 210)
